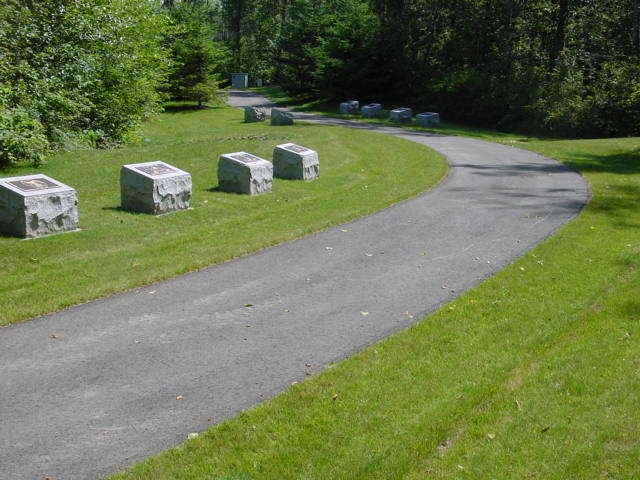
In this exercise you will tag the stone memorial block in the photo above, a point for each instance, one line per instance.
(241, 172)
(373, 110)
(427, 119)
(254, 114)
(401, 115)
(154, 187)
(239, 80)
(295, 162)
(280, 117)
(36, 205)
(349, 107)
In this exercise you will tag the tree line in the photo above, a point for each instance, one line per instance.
(77, 73)
(89, 72)
(563, 67)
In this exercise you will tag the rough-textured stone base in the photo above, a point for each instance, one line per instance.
(36, 205)
(241, 172)
(427, 119)
(401, 115)
(350, 107)
(280, 117)
(154, 187)
(373, 110)
(253, 115)
(294, 162)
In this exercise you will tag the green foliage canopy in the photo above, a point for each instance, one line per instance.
(197, 57)
(90, 71)
(568, 67)
(77, 71)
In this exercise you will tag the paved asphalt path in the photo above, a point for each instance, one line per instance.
(90, 390)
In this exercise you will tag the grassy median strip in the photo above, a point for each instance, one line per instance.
(360, 172)
(535, 373)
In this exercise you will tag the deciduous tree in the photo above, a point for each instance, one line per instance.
(79, 70)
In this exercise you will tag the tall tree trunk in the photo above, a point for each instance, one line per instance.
(233, 13)
(557, 44)
(635, 28)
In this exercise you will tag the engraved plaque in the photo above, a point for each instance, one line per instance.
(35, 205)
(297, 148)
(295, 162)
(156, 169)
(33, 184)
(154, 187)
(242, 172)
(246, 158)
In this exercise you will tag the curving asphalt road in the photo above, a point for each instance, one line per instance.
(130, 375)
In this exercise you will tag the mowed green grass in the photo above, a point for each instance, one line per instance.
(360, 172)
(535, 373)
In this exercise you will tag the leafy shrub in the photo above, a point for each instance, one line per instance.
(22, 138)
(74, 71)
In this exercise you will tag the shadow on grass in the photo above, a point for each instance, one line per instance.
(630, 309)
(619, 197)
(627, 163)
(189, 107)
(125, 212)
(620, 203)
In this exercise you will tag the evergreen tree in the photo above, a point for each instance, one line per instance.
(196, 56)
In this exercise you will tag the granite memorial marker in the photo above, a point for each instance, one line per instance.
(427, 119)
(349, 107)
(280, 117)
(253, 115)
(295, 162)
(401, 115)
(154, 187)
(239, 80)
(372, 110)
(35, 205)
(241, 172)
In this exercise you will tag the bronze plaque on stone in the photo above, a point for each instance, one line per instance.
(32, 184)
(296, 148)
(156, 169)
(246, 158)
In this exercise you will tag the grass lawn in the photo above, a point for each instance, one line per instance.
(117, 250)
(534, 373)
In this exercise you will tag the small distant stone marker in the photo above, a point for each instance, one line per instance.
(350, 107)
(253, 115)
(295, 162)
(35, 205)
(401, 115)
(280, 117)
(154, 187)
(427, 119)
(372, 110)
(239, 80)
(241, 172)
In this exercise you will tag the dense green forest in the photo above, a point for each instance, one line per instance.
(88, 72)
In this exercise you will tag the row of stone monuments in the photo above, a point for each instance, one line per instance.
(35, 205)
(397, 115)
(278, 116)
(242, 172)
